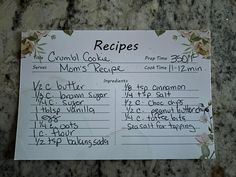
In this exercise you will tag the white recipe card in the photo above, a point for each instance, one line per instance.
(115, 95)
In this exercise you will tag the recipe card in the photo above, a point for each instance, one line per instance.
(142, 94)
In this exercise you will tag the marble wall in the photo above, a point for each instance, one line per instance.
(217, 15)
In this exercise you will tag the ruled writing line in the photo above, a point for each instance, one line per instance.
(157, 105)
(75, 120)
(160, 120)
(163, 113)
(109, 72)
(71, 105)
(60, 144)
(73, 98)
(144, 136)
(161, 144)
(159, 97)
(70, 136)
(71, 128)
(125, 62)
(77, 90)
(157, 128)
(71, 112)
(159, 90)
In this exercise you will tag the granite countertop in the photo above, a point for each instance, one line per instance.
(219, 16)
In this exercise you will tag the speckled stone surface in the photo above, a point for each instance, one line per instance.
(217, 15)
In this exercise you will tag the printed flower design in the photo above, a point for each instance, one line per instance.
(68, 32)
(27, 47)
(30, 44)
(199, 42)
(204, 118)
(203, 139)
(159, 32)
(206, 139)
(202, 48)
